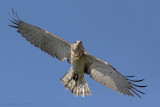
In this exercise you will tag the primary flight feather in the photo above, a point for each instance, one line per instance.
(81, 62)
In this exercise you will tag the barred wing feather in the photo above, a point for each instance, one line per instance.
(108, 76)
(49, 43)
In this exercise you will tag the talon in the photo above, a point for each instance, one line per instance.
(75, 76)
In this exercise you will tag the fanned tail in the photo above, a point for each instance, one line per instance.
(72, 83)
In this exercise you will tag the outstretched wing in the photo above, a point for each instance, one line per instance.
(42, 39)
(108, 76)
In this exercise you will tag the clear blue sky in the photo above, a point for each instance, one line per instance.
(125, 33)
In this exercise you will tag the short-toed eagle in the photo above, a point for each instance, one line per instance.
(81, 62)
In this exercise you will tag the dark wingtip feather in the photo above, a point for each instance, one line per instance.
(132, 88)
(136, 93)
(135, 80)
(15, 19)
(129, 76)
(142, 86)
(15, 15)
(16, 23)
(138, 90)
(14, 26)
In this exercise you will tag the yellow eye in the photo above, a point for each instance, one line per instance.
(75, 42)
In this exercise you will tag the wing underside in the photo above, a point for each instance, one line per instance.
(47, 42)
(108, 76)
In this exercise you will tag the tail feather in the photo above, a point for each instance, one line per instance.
(78, 88)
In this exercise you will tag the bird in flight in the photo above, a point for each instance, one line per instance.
(81, 62)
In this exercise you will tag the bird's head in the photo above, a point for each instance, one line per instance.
(77, 46)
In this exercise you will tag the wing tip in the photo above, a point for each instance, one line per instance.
(15, 19)
(132, 86)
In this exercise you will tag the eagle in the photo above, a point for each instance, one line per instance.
(81, 62)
